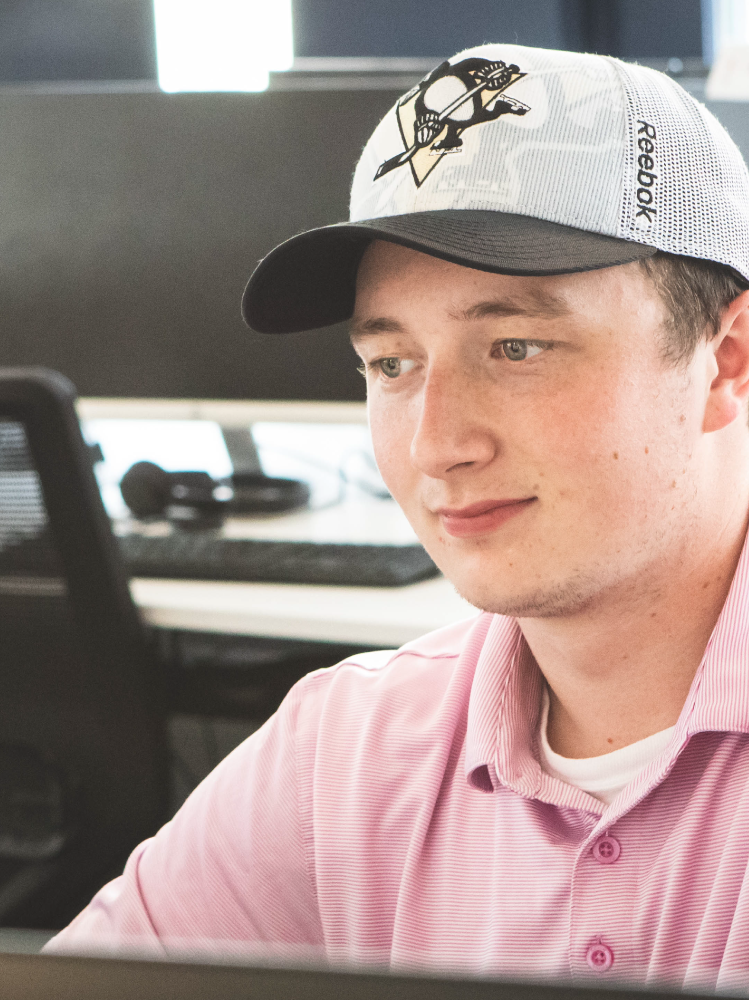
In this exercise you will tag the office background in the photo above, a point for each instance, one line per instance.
(130, 219)
(113, 40)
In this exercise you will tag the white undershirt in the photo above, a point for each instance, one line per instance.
(605, 776)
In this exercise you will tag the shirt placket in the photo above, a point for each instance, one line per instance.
(603, 894)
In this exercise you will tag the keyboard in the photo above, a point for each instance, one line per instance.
(194, 555)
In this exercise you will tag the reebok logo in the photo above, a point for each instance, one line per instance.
(646, 178)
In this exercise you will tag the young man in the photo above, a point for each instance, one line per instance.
(548, 296)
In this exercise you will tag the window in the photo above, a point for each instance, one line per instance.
(228, 45)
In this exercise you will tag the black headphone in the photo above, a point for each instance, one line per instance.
(195, 499)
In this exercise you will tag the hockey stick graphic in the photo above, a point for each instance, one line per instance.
(401, 158)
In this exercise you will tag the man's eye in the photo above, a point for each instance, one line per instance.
(393, 367)
(520, 350)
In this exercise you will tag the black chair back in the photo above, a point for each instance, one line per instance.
(83, 762)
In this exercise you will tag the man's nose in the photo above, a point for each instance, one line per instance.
(451, 432)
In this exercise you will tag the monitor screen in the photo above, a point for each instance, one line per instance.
(36, 977)
(131, 222)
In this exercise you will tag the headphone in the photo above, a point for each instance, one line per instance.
(195, 499)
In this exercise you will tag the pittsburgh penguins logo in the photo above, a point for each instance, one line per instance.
(451, 99)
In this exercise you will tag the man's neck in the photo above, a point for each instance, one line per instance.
(621, 671)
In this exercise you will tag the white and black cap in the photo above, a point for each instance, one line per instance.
(522, 161)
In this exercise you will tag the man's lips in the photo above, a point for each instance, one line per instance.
(480, 518)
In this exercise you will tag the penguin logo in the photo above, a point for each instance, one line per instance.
(432, 116)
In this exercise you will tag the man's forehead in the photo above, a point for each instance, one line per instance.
(391, 279)
(394, 281)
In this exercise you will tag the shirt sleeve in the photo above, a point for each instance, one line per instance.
(229, 872)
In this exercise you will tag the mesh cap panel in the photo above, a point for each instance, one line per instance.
(695, 196)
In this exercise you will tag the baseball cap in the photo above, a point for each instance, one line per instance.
(522, 161)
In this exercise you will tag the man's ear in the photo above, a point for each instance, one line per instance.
(728, 356)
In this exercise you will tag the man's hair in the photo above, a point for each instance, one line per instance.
(695, 293)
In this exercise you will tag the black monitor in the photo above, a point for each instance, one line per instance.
(129, 223)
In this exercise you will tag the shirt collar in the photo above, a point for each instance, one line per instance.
(503, 717)
(719, 697)
(505, 700)
(494, 680)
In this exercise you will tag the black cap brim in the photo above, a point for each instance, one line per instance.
(310, 280)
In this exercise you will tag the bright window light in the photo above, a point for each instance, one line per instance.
(221, 44)
(724, 23)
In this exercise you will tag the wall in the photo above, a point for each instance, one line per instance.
(113, 39)
(439, 28)
(628, 28)
(76, 40)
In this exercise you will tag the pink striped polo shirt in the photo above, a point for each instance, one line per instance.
(395, 813)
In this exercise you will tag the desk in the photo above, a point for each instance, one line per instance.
(367, 616)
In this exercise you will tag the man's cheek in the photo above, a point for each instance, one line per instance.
(581, 429)
(391, 469)
(391, 442)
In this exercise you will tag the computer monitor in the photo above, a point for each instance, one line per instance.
(131, 221)
(38, 977)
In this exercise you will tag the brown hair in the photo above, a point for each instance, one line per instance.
(695, 293)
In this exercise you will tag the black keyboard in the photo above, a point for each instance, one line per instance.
(194, 555)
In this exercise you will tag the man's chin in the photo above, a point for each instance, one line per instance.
(550, 600)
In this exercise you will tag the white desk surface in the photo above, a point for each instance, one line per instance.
(384, 617)
(369, 616)
(227, 412)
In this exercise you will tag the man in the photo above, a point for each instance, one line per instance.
(554, 326)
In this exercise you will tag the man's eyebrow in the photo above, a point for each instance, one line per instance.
(378, 324)
(538, 304)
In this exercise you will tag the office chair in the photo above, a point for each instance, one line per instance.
(83, 760)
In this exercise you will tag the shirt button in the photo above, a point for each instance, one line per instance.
(599, 956)
(606, 850)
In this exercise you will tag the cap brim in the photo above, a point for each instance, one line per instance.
(310, 280)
